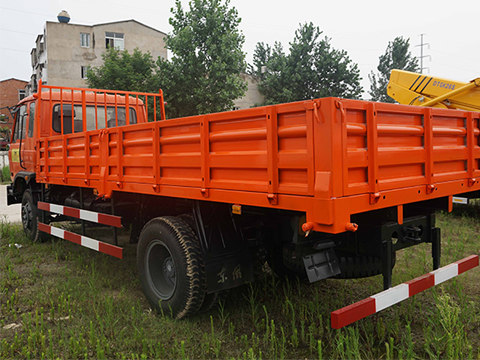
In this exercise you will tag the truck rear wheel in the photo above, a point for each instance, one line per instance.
(170, 267)
(212, 299)
(30, 218)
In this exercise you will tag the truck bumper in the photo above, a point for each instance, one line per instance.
(392, 296)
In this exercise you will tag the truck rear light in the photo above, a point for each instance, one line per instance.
(237, 209)
(394, 295)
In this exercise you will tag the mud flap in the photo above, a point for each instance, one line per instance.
(321, 265)
(226, 272)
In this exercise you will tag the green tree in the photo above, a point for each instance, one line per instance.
(124, 71)
(397, 56)
(311, 69)
(276, 78)
(261, 55)
(203, 74)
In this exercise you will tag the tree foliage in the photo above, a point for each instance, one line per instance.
(203, 74)
(311, 69)
(397, 56)
(124, 71)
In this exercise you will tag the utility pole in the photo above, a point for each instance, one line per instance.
(422, 44)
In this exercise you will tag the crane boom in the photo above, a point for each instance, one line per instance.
(422, 90)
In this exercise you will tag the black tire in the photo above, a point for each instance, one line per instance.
(170, 267)
(30, 218)
(355, 267)
(212, 299)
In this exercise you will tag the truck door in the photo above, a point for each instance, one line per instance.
(17, 145)
(28, 146)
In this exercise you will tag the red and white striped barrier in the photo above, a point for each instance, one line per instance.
(99, 218)
(82, 240)
(392, 296)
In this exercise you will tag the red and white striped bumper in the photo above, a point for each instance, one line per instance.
(82, 240)
(92, 216)
(392, 296)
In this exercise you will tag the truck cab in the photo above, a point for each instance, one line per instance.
(21, 154)
(62, 112)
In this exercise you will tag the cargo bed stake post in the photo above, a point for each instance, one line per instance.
(471, 149)
(428, 145)
(272, 154)
(372, 153)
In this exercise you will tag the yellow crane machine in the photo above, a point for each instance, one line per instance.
(422, 90)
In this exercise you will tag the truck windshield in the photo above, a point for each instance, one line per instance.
(97, 118)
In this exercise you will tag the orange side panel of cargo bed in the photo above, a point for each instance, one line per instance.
(329, 158)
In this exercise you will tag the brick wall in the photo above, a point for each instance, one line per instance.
(9, 96)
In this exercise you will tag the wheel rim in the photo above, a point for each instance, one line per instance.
(160, 269)
(27, 215)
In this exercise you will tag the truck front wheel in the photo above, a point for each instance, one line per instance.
(30, 216)
(170, 267)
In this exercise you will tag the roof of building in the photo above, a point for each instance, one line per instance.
(13, 79)
(138, 22)
(113, 22)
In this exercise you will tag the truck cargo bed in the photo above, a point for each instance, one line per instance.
(329, 158)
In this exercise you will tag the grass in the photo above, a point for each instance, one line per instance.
(6, 175)
(60, 300)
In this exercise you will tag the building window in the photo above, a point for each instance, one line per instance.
(114, 40)
(21, 94)
(84, 72)
(84, 40)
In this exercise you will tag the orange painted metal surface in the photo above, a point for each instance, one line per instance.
(329, 158)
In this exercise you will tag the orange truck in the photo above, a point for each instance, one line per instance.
(324, 188)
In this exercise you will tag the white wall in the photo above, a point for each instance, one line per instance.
(3, 159)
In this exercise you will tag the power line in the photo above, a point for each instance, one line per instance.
(144, 10)
(3, 48)
(450, 54)
(15, 31)
(455, 67)
(26, 12)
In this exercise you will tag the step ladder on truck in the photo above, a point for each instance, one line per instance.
(324, 188)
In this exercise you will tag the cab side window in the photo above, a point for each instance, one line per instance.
(68, 113)
(20, 123)
(31, 118)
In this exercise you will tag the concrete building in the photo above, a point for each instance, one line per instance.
(252, 96)
(64, 51)
(11, 92)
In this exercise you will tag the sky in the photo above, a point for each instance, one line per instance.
(361, 28)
